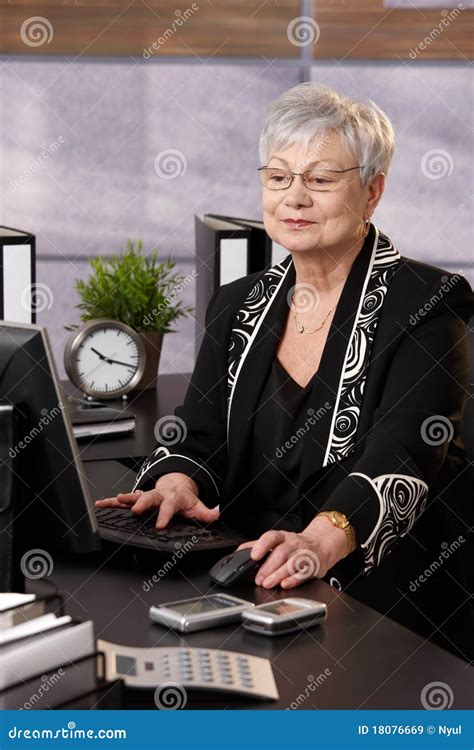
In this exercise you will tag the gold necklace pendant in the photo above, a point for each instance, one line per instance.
(302, 329)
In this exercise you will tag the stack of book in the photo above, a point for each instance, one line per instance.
(95, 419)
(47, 659)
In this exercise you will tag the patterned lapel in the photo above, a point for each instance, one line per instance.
(338, 386)
(249, 320)
(345, 418)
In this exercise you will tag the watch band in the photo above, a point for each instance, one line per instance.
(341, 521)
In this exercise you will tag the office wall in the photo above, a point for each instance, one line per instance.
(124, 125)
(427, 204)
(108, 127)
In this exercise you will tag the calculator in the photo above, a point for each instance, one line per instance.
(196, 668)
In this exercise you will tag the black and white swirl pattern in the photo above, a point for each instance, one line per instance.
(402, 500)
(357, 355)
(247, 322)
(347, 410)
(372, 301)
(158, 455)
(344, 427)
(351, 386)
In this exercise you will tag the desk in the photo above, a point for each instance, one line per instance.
(371, 662)
(148, 406)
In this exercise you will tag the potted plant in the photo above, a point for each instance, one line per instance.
(138, 290)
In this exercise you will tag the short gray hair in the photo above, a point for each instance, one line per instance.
(311, 109)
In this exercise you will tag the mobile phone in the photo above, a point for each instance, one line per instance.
(200, 612)
(284, 616)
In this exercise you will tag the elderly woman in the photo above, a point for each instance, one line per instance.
(323, 415)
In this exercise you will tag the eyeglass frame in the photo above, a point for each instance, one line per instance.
(300, 174)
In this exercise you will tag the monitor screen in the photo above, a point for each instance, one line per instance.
(53, 508)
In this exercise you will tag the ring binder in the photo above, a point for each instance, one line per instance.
(46, 598)
(79, 684)
(18, 288)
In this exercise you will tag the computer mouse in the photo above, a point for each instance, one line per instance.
(236, 569)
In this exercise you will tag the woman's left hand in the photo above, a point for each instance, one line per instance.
(295, 558)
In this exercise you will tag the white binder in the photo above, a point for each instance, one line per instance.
(17, 276)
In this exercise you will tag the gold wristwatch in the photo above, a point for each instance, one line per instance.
(342, 522)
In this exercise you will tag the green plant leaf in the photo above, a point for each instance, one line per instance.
(135, 288)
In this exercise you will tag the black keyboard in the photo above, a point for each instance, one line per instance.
(121, 526)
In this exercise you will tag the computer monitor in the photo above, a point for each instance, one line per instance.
(52, 507)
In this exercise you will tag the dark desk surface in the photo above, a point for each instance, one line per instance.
(371, 662)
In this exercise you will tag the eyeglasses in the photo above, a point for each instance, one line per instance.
(313, 179)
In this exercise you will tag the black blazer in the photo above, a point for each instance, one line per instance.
(384, 445)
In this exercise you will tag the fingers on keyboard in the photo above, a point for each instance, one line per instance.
(146, 502)
(108, 502)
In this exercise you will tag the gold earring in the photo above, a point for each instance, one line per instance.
(366, 223)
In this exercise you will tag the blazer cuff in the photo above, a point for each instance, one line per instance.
(381, 510)
(162, 461)
(358, 500)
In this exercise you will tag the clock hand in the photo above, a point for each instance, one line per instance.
(110, 360)
(98, 353)
(116, 362)
(104, 359)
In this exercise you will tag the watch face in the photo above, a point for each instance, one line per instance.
(106, 359)
(339, 518)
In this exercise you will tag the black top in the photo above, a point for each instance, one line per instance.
(385, 444)
(281, 422)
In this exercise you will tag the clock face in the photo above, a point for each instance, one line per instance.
(105, 360)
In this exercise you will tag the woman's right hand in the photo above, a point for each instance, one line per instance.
(174, 493)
